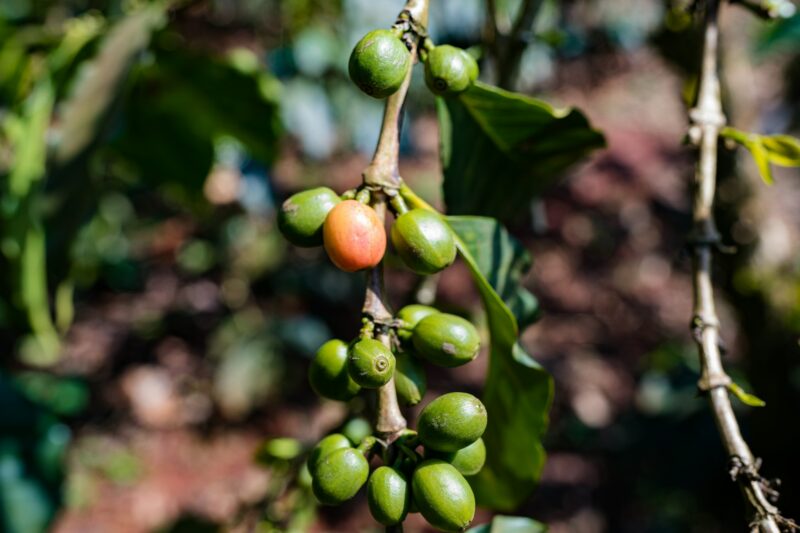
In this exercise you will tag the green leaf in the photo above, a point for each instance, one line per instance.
(761, 157)
(518, 391)
(745, 397)
(783, 35)
(501, 149)
(87, 111)
(510, 524)
(783, 150)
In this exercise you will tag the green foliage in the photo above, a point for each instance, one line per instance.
(518, 391)
(767, 150)
(500, 149)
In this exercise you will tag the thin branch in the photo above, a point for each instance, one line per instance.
(509, 47)
(707, 119)
(382, 175)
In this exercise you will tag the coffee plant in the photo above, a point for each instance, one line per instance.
(424, 470)
(499, 150)
(427, 469)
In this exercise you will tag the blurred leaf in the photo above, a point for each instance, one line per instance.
(278, 449)
(24, 505)
(87, 110)
(783, 150)
(510, 524)
(63, 396)
(501, 149)
(781, 35)
(248, 374)
(745, 397)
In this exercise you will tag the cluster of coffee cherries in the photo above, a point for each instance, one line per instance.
(353, 233)
(380, 61)
(422, 471)
(425, 470)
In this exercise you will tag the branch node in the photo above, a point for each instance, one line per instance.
(706, 117)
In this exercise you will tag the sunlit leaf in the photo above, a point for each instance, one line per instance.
(745, 397)
(500, 149)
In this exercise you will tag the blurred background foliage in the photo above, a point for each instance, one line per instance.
(155, 328)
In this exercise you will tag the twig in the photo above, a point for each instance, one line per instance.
(507, 48)
(707, 119)
(380, 176)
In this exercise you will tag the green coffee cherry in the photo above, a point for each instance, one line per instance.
(409, 380)
(329, 444)
(356, 430)
(446, 340)
(328, 373)
(472, 66)
(370, 363)
(442, 495)
(451, 422)
(379, 63)
(339, 476)
(449, 70)
(468, 461)
(423, 241)
(302, 215)
(388, 496)
(410, 315)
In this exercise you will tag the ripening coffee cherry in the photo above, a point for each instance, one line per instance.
(388, 496)
(331, 443)
(379, 63)
(370, 363)
(442, 495)
(339, 476)
(446, 340)
(302, 215)
(423, 241)
(354, 236)
(409, 379)
(328, 372)
(449, 70)
(468, 461)
(451, 422)
(410, 315)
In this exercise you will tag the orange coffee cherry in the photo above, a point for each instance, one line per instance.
(354, 236)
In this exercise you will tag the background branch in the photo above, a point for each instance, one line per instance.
(707, 119)
(507, 47)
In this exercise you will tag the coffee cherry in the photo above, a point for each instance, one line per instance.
(339, 476)
(468, 461)
(449, 70)
(356, 430)
(302, 215)
(379, 63)
(370, 363)
(328, 372)
(354, 236)
(409, 380)
(423, 241)
(388, 496)
(329, 444)
(442, 495)
(451, 422)
(410, 315)
(446, 340)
